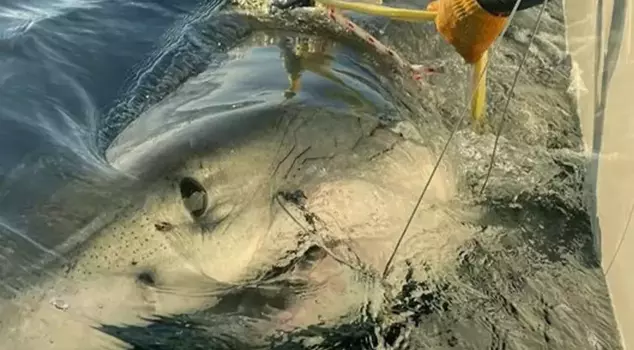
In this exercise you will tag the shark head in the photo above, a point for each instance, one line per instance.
(226, 191)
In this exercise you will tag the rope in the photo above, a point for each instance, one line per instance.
(350, 26)
(478, 98)
(442, 154)
(621, 240)
(478, 102)
(383, 11)
(508, 100)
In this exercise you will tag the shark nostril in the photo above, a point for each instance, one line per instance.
(194, 196)
(147, 278)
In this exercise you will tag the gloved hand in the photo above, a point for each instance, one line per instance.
(469, 28)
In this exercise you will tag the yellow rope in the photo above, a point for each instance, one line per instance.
(380, 10)
(478, 79)
(479, 88)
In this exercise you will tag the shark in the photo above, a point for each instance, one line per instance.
(254, 213)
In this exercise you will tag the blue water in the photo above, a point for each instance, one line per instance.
(63, 66)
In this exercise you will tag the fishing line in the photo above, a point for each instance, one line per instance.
(314, 234)
(510, 95)
(618, 247)
(444, 150)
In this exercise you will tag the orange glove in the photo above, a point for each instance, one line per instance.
(469, 28)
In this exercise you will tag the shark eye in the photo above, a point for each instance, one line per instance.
(194, 196)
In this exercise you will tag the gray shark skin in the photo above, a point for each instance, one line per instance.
(263, 221)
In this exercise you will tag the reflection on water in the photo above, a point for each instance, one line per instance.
(253, 201)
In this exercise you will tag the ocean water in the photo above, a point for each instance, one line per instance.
(103, 102)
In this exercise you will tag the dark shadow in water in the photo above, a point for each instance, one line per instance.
(175, 333)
